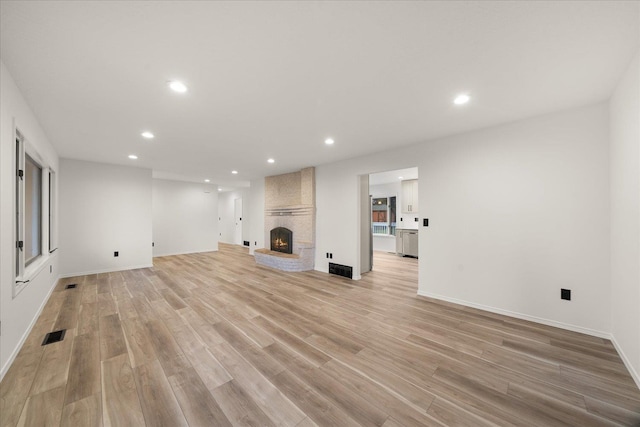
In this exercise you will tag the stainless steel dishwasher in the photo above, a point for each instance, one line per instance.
(407, 242)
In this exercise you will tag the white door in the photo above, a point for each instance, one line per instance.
(237, 239)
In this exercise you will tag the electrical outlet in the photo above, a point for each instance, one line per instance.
(116, 254)
(425, 222)
(565, 294)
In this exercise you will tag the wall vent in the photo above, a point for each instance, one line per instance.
(71, 286)
(341, 270)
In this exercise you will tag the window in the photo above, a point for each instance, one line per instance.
(32, 210)
(35, 212)
(383, 216)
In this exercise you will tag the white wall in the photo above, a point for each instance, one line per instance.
(18, 314)
(625, 217)
(226, 214)
(104, 208)
(256, 219)
(516, 213)
(184, 217)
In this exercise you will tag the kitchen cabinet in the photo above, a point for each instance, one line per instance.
(407, 242)
(410, 196)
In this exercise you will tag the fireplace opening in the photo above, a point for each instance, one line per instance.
(281, 240)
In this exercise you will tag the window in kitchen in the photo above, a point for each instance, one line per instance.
(383, 216)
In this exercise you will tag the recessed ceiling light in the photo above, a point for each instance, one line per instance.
(219, 189)
(177, 86)
(461, 99)
(133, 156)
(234, 172)
(147, 134)
(400, 177)
(271, 161)
(329, 141)
(207, 180)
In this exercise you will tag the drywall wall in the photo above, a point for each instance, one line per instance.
(19, 313)
(625, 217)
(516, 212)
(226, 215)
(256, 219)
(184, 217)
(104, 208)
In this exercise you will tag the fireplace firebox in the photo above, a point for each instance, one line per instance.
(281, 240)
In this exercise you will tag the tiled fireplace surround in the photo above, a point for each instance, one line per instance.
(290, 202)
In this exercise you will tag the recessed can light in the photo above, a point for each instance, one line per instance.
(461, 99)
(219, 189)
(133, 156)
(147, 134)
(271, 161)
(207, 180)
(234, 172)
(400, 177)
(329, 141)
(177, 86)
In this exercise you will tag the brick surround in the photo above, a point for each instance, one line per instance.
(290, 202)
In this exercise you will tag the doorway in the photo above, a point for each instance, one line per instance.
(393, 215)
(237, 238)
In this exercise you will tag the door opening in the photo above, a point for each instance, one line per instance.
(237, 238)
(393, 215)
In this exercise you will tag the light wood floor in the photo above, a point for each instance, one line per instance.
(214, 340)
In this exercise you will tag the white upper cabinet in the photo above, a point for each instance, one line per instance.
(410, 196)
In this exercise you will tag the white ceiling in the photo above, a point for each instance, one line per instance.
(388, 177)
(274, 79)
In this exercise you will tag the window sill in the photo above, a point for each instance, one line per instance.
(31, 272)
(384, 235)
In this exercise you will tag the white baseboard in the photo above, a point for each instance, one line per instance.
(627, 362)
(16, 350)
(106, 270)
(186, 253)
(600, 334)
(548, 322)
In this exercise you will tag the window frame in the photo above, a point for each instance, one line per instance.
(389, 225)
(26, 271)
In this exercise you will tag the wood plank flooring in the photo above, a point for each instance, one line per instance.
(213, 339)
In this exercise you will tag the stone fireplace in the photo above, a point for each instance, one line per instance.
(282, 240)
(290, 221)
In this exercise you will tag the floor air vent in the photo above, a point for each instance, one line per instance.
(52, 337)
(341, 270)
(71, 286)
